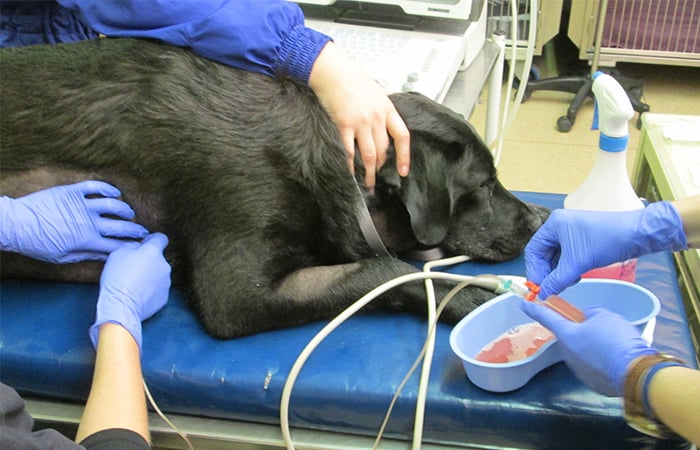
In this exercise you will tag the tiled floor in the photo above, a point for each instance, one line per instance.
(537, 157)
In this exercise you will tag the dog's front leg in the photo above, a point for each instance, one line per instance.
(334, 288)
(337, 287)
(255, 304)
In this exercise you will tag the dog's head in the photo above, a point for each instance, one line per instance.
(451, 197)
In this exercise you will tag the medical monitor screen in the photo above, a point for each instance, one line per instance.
(449, 9)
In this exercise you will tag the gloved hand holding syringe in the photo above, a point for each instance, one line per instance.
(530, 293)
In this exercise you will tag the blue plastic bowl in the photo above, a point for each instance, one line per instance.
(492, 319)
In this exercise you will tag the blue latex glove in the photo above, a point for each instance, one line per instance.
(572, 242)
(598, 350)
(134, 285)
(63, 225)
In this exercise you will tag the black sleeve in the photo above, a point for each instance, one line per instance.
(16, 431)
(16, 427)
(115, 439)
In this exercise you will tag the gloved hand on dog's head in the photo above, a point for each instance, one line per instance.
(67, 224)
(134, 285)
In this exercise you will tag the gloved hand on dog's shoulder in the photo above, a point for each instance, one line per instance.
(134, 285)
(67, 224)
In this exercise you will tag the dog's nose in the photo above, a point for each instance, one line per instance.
(536, 217)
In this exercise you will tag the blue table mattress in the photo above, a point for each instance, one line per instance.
(347, 383)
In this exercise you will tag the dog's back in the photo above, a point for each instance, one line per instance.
(163, 124)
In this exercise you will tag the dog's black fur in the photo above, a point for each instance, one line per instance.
(247, 176)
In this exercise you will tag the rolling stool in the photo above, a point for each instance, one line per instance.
(581, 86)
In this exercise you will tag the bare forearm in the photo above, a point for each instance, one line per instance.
(674, 394)
(117, 398)
(689, 210)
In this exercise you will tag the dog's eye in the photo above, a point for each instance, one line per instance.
(485, 184)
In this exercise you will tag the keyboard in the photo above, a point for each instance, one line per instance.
(400, 60)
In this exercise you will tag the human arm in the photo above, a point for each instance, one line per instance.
(122, 392)
(572, 242)
(602, 351)
(689, 210)
(269, 37)
(66, 224)
(674, 394)
(134, 285)
(117, 399)
(361, 110)
(263, 36)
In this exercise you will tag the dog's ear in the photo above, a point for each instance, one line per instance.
(425, 196)
(428, 205)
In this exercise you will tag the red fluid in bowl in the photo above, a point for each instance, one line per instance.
(515, 344)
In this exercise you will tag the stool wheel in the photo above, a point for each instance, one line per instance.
(564, 124)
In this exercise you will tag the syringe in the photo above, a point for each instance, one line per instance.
(530, 293)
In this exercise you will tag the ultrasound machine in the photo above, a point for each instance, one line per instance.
(405, 45)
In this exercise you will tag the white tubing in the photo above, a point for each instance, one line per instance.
(333, 324)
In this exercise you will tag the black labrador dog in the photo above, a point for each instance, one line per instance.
(247, 176)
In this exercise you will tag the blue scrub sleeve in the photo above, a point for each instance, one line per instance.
(264, 36)
(36, 23)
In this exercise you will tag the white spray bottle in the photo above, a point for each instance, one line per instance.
(608, 187)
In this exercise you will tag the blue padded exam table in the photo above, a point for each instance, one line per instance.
(228, 392)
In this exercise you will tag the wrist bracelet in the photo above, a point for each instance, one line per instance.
(648, 375)
(638, 412)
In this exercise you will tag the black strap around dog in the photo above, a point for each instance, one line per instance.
(369, 231)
